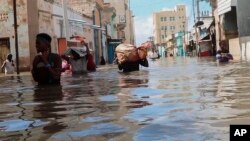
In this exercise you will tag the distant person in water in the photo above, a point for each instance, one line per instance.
(47, 66)
(223, 54)
(91, 66)
(102, 62)
(8, 65)
(223, 57)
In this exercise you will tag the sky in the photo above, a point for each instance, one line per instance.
(143, 11)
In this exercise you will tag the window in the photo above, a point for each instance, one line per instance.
(166, 27)
(165, 18)
(162, 28)
(162, 36)
(172, 18)
(173, 27)
(162, 19)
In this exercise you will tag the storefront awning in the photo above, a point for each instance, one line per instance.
(86, 23)
(206, 37)
(225, 6)
(97, 27)
(77, 21)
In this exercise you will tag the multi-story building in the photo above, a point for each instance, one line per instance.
(34, 17)
(166, 23)
(231, 25)
(114, 20)
(124, 22)
(94, 9)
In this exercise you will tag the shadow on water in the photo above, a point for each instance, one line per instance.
(28, 110)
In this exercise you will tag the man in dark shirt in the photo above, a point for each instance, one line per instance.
(133, 66)
(47, 66)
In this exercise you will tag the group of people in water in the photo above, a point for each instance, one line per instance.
(47, 66)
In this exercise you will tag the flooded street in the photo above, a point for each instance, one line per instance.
(191, 99)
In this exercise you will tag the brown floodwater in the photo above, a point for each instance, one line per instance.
(174, 99)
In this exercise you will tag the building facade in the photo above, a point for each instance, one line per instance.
(124, 22)
(231, 25)
(35, 17)
(179, 43)
(166, 23)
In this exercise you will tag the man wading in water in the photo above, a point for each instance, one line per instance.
(47, 66)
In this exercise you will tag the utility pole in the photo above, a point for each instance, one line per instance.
(16, 36)
(194, 11)
(195, 28)
(65, 18)
(198, 9)
(184, 40)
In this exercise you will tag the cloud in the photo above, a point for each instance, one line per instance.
(143, 29)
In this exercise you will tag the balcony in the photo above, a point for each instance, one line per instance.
(120, 26)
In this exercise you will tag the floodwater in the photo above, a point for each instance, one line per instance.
(189, 99)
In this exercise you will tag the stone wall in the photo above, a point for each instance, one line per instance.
(7, 30)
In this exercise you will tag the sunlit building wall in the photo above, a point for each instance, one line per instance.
(168, 22)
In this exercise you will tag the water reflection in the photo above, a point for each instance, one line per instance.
(49, 109)
(134, 79)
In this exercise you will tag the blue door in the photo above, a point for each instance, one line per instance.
(112, 44)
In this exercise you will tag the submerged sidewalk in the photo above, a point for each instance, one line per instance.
(15, 74)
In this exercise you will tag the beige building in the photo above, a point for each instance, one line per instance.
(169, 22)
(124, 21)
(35, 17)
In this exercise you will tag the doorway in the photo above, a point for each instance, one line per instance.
(4, 49)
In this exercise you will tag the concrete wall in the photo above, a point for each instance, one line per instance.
(33, 28)
(34, 17)
(234, 48)
(128, 29)
(46, 22)
(243, 17)
(245, 47)
(7, 30)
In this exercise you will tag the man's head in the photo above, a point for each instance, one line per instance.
(43, 41)
(222, 44)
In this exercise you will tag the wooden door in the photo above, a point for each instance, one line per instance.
(4, 49)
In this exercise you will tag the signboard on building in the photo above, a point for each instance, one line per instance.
(225, 6)
(122, 19)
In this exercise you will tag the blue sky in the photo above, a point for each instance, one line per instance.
(143, 11)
